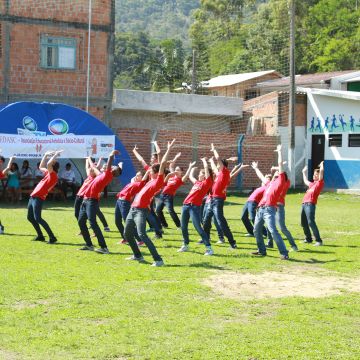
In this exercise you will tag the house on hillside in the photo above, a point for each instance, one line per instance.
(238, 85)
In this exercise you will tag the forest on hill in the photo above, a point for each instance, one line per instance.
(155, 39)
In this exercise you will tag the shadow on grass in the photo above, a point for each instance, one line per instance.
(312, 261)
(316, 251)
(205, 265)
(15, 234)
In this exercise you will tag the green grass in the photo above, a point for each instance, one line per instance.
(60, 303)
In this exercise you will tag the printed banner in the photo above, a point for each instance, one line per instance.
(74, 146)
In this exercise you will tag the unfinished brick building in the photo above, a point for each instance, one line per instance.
(44, 52)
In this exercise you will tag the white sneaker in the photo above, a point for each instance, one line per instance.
(249, 235)
(184, 248)
(134, 258)
(221, 241)
(209, 251)
(158, 263)
(318, 243)
(294, 248)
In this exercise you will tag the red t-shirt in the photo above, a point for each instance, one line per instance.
(1, 174)
(130, 190)
(258, 193)
(95, 188)
(221, 182)
(146, 167)
(45, 185)
(85, 185)
(272, 193)
(313, 192)
(143, 198)
(283, 192)
(198, 191)
(172, 185)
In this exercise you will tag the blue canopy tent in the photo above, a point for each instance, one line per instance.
(50, 119)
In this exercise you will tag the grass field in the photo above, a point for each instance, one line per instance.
(60, 303)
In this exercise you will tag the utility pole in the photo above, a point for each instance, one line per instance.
(193, 80)
(88, 59)
(292, 99)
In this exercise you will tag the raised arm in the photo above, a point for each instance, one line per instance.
(237, 169)
(138, 156)
(51, 161)
(173, 161)
(217, 157)
(188, 171)
(43, 161)
(146, 175)
(98, 164)
(304, 171)
(93, 167)
(280, 160)
(157, 150)
(6, 170)
(206, 167)
(259, 174)
(321, 173)
(213, 166)
(111, 159)
(191, 175)
(168, 176)
(166, 156)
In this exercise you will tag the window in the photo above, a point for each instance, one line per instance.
(335, 140)
(58, 53)
(354, 140)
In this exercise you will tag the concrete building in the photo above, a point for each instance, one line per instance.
(44, 52)
(196, 121)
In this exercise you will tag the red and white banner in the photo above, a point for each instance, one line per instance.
(74, 146)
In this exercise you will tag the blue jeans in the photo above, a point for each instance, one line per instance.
(168, 201)
(193, 212)
(122, 208)
(308, 222)
(280, 220)
(136, 222)
(34, 216)
(216, 208)
(77, 206)
(217, 226)
(266, 215)
(88, 211)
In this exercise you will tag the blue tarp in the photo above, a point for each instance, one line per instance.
(79, 123)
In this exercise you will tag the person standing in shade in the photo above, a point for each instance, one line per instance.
(38, 196)
(309, 204)
(266, 212)
(3, 173)
(191, 207)
(67, 180)
(218, 196)
(136, 219)
(90, 205)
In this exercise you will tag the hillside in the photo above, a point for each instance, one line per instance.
(160, 19)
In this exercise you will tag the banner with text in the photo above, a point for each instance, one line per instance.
(74, 146)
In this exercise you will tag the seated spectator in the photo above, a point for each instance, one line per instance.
(13, 184)
(26, 175)
(67, 179)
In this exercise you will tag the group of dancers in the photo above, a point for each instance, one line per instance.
(144, 198)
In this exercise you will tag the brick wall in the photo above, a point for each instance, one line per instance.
(63, 10)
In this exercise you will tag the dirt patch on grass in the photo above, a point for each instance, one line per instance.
(271, 284)
(8, 355)
(21, 305)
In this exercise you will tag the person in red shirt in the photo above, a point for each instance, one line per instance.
(136, 219)
(267, 211)
(249, 209)
(218, 196)
(90, 205)
(192, 204)
(3, 173)
(280, 217)
(309, 205)
(124, 200)
(172, 183)
(39, 194)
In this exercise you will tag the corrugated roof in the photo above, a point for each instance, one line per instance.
(232, 79)
(304, 79)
